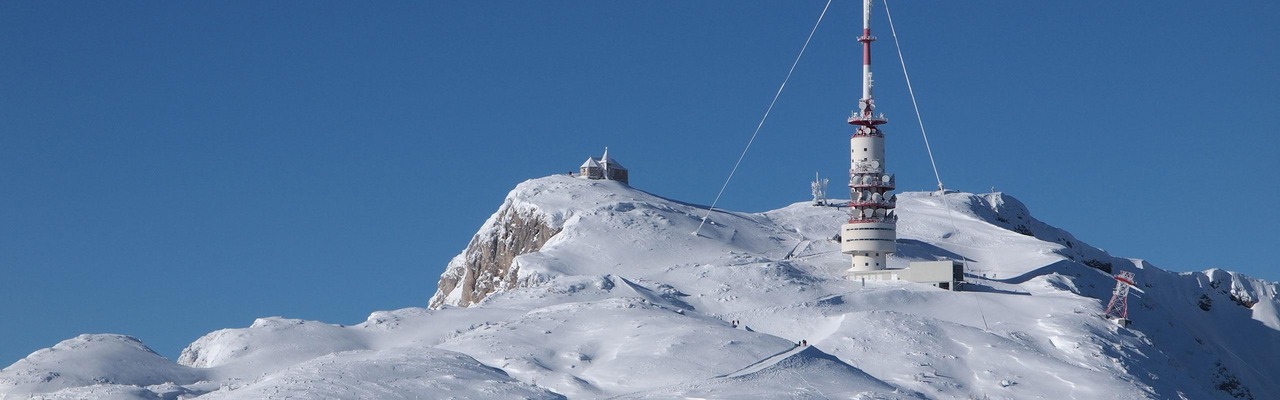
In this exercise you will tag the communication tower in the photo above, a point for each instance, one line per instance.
(871, 231)
(1118, 308)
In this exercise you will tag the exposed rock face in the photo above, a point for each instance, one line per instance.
(487, 266)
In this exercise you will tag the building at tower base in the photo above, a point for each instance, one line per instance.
(945, 274)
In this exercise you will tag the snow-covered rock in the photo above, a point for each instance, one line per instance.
(487, 265)
(116, 363)
(589, 289)
(398, 373)
(268, 345)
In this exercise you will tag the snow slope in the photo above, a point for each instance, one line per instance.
(93, 360)
(623, 301)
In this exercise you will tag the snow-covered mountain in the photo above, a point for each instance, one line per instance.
(592, 289)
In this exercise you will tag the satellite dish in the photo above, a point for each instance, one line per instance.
(876, 197)
(875, 164)
(887, 178)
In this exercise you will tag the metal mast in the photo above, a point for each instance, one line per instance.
(1118, 307)
(870, 234)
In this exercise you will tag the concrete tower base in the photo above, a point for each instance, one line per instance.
(880, 275)
(869, 261)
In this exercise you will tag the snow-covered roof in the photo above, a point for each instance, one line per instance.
(590, 163)
(613, 164)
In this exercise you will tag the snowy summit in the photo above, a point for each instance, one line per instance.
(580, 288)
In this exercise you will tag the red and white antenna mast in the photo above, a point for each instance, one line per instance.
(866, 105)
(1118, 308)
(872, 229)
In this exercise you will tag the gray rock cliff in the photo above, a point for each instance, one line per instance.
(487, 265)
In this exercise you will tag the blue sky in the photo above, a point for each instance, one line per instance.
(173, 168)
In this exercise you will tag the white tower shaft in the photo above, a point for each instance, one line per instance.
(870, 235)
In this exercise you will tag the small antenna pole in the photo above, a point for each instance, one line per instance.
(819, 186)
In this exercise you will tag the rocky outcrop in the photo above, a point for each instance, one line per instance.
(487, 266)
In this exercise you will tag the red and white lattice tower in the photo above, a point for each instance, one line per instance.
(1118, 308)
(872, 229)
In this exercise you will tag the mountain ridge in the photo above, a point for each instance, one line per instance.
(606, 292)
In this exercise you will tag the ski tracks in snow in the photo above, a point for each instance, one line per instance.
(764, 363)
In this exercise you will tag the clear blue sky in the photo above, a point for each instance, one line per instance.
(172, 168)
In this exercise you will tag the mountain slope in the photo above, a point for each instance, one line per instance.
(589, 289)
(88, 360)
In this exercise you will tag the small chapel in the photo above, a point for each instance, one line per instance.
(603, 168)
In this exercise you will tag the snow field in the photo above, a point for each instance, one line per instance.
(625, 302)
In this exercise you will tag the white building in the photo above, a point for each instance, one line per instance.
(603, 168)
(946, 274)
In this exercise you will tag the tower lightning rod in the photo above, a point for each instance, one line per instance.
(866, 40)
